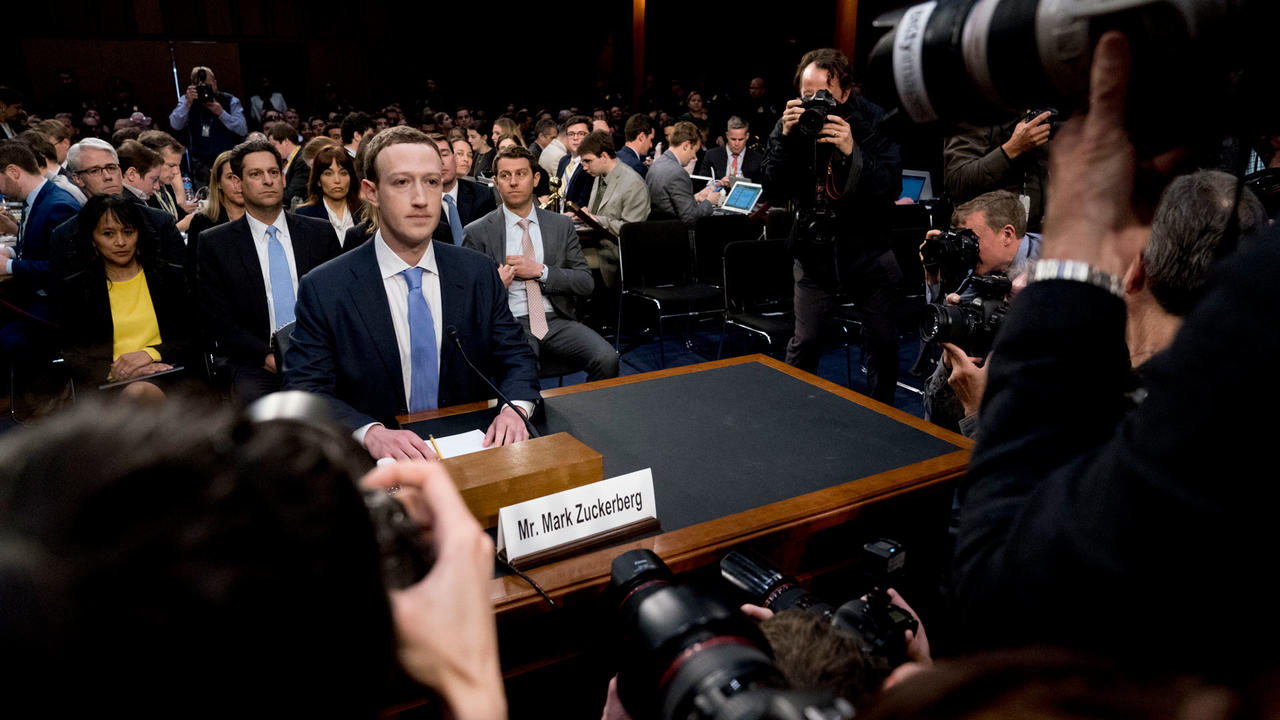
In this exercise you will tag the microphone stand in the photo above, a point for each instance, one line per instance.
(452, 332)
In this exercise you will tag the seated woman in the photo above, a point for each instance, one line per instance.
(333, 193)
(224, 204)
(463, 155)
(126, 316)
(482, 162)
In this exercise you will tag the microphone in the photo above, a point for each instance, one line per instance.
(452, 332)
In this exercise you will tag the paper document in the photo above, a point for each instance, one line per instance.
(462, 444)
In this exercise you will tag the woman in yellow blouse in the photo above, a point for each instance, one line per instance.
(126, 316)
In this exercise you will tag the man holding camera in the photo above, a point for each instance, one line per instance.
(1013, 156)
(216, 120)
(999, 224)
(827, 158)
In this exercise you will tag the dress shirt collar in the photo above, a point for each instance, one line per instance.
(136, 192)
(390, 264)
(30, 202)
(258, 229)
(510, 218)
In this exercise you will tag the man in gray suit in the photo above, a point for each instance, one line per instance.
(618, 197)
(670, 188)
(541, 263)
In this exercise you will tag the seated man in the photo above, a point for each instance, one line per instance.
(382, 330)
(670, 188)
(734, 159)
(1000, 223)
(639, 141)
(140, 167)
(464, 199)
(618, 197)
(541, 263)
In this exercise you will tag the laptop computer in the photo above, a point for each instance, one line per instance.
(917, 185)
(742, 199)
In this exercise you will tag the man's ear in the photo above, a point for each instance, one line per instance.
(369, 192)
(1135, 276)
(1009, 236)
(132, 175)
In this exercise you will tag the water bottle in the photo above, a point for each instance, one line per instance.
(186, 186)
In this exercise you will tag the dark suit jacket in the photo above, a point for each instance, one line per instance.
(474, 200)
(232, 295)
(633, 160)
(568, 276)
(316, 211)
(160, 238)
(344, 345)
(296, 179)
(579, 190)
(716, 164)
(83, 310)
(52, 208)
(357, 235)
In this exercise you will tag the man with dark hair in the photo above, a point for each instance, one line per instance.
(58, 135)
(48, 156)
(140, 167)
(387, 328)
(249, 271)
(544, 134)
(1013, 156)
(553, 151)
(670, 190)
(464, 199)
(296, 172)
(575, 184)
(542, 265)
(759, 111)
(215, 124)
(734, 159)
(166, 198)
(10, 111)
(639, 141)
(842, 182)
(618, 195)
(354, 127)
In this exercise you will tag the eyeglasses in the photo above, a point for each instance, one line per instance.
(577, 133)
(96, 170)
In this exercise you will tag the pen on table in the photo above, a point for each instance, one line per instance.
(435, 447)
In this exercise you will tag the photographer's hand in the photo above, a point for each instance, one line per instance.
(1090, 215)
(191, 96)
(1028, 135)
(968, 379)
(214, 107)
(932, 274)
(445, 624)
(791, 115)
(918, 641)
(836, 131)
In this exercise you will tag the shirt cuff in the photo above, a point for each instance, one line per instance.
(545, 272)
(361, 431)
(524, 405)
(8, 266)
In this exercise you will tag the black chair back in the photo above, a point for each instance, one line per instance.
(654, 253)
(777, 224)
(710, 236)
(757, 276)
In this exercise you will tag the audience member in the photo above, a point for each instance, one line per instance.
(59, 135)
(242, 308)
(140, 169)
(355, 126)
(544, 134)
(171, 184)
(10, 112)
(552, 153)
(541, 263)
(1012, 157)
(224, 204)
(462, 157)
(266, 99)
(733, 159)
(759, 112)
(126, 315)
(404, 292)
(639, 136)
(482, 161)
(333, 192)
(214, 124)
(48, 157)
(575, 183)
(296, 173)
(670, 188)
(464, 200)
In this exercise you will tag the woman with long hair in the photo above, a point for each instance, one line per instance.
(463, 155)
(224, 204)
(482, 162)
(126, 316)
(333, 193)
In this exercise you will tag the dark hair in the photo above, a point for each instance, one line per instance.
(160, 140)
(515, 152)
(545, 126)
(134, 154)
(222, 559)
(814, 655)
(129, 213)
(39, 145)
(131, 132)
(833, 61)
(356, 122)
(326, 157)
(637, 125)
(283, 131)
(55, 129)
(577, 120)
(16, 152)
(598, 143)
(239, 152)
(684, 132)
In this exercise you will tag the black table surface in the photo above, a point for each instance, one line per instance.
(726, 439)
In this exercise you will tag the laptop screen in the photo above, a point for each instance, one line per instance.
(743, 197)
(912, 186)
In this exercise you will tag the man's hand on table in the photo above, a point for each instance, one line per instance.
(506, 429)
(396, 444)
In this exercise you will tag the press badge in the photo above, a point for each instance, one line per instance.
(204, 130)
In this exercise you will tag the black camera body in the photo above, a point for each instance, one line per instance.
(954, 252)
(204, 91)
(816, 109)
(406, 556)
(972, 324)
(685, 654)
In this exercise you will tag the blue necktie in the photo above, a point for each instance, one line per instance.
(281, 281)
(424, 382)
(455, 222)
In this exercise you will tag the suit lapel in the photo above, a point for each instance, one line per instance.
(370, 297)
(251, 271)
(453, 299)
(303, 252)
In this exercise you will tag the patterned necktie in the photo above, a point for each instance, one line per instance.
(424, 378)
(533, 292)
(455, 222)
(595, 204)
(281, 281)
(734, 171)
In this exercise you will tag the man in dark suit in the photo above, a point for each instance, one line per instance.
(464, 200)
(671, 189)
(542, 265)
(96, 169)
(381, 330)
(296, 172)
(46, 206)
(248, 270)
(575, 182)
(734, 159)
(639, 141)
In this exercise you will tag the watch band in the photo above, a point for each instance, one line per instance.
(1079, 271)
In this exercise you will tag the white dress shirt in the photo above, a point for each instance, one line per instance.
(340, 222)
(444, 207)
(517, 295)
(728, 162)
(259, 232)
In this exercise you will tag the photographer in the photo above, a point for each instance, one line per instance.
(1088, 525)
(214, 119)
(1009, 157)
(827, 158)
(184, 560)
(999, 224)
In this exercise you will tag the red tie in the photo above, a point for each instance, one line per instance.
(734, 172)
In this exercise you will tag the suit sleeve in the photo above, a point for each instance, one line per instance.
(635, 207)
(682, 202)
(215, 285)
(36, 263)
(311, 361)
(573, 277)
(971, 166)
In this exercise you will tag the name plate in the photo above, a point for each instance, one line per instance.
(570, 521)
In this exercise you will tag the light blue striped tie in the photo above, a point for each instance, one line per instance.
(282, 296)
(424, 375)
(455, 222)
